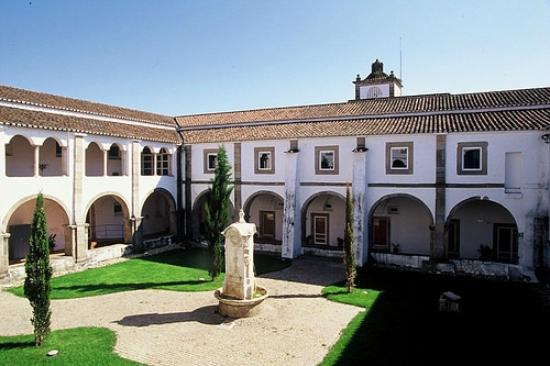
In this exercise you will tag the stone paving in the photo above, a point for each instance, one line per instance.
(296, 327)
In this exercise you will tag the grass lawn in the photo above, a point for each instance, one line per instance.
(177, 270)
(499, 322)
(77, 346)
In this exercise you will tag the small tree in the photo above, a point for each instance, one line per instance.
(349, 248)
(37, 283)
(217, 211)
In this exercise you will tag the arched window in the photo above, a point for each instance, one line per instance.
(115, 166)
(163, 162)
(146, 162)
(374, 92)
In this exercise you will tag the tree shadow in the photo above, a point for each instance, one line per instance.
(119, 287)
(204, 315)
(13, 345)
(498, 322)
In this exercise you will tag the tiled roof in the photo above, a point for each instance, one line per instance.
(515, 120)
(377, 107)
(11, 94)
(53, 121)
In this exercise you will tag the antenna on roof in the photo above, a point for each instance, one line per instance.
(400, 60)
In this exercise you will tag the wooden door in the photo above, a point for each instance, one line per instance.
(505, 244)
(381, 233)
(320, 227)
(453, 244)
(267, 224)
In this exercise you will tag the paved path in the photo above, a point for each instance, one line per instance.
(296, 327)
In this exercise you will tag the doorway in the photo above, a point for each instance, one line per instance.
(320, 227)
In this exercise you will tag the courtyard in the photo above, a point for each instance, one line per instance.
(170, 321)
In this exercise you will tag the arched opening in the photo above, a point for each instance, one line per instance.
(51, 159)
(198, 226)
(164, 162)
(147, 160)
(159, 215)
(265, 209)
(400, 224)
(19, 157)
(109, 222)
(19, 226)
(482, 229)
(94, 160)
(323, 220)
(115, 160)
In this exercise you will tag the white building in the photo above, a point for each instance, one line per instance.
(441, 178)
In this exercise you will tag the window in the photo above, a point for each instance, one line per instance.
(399, 158)
(326, 160)
(210, 160)
(471, 158)
(117, 209)
(163, 162)
(146, 162)
(114, 153)
(58, 150)
(264, 161)
(374, 92)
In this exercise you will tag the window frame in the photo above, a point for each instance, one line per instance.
(257, 152)
(461, 147)
(206, 154)
(473, 148)
(147, 159)
(164, 160)
(390, 146)
(327, 149)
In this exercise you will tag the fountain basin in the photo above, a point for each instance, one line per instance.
(236, 308)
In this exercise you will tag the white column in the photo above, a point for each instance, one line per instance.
(105, 153)
(135, 215)
(360, 219)
(37, 160)
(292, 240)
(79, 245)
(2, 155)
(154, 163)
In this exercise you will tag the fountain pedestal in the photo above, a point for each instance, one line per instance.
(240, 297)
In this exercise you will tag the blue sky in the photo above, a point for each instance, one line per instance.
(181, 57)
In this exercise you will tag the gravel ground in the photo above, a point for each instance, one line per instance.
(296, 326)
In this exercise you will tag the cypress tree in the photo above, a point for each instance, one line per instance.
(349, 248)
(37, 265)
(217, 211)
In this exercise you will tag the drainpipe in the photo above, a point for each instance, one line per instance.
(179, 188)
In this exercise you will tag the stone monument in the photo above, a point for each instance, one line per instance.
(240, 297)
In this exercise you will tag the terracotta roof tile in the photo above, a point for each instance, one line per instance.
(436, 123)
(12, 94)
(53, 121)
(377, 107)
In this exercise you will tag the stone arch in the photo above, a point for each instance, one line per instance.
(158, 216)
(116, 160)
(265, 209)
(94, 166)
(52, 158)
(112, 225)
(480, 228)
(197, 225)
(400, 223)
(335, 222)
(19, 157)
(18, 222)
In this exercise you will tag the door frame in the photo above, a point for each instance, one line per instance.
(327, 218)
(262, 232)
(387, 247)
(455, 222)
(514, 253)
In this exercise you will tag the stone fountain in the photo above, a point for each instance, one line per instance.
(240, 297)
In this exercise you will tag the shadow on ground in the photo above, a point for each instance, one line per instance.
(499, 323)
(205, 315)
